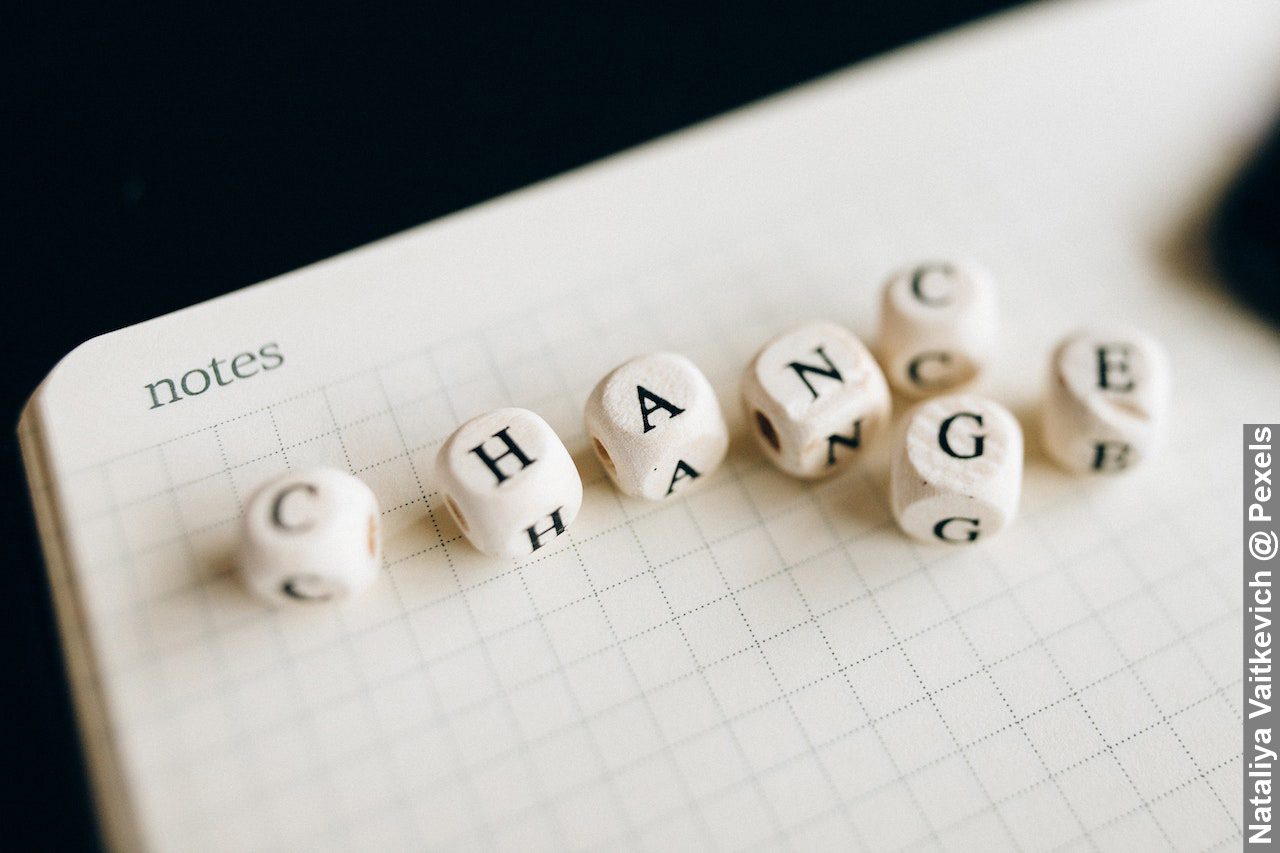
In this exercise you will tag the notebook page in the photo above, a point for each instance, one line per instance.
(765, 662)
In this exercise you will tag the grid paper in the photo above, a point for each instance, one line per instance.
(762, 663)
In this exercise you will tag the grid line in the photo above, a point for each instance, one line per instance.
(416, 665)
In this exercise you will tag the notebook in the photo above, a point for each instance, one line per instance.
(765, 663)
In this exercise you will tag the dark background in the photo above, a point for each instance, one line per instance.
(156, 159)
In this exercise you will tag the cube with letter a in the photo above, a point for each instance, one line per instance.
(656, 425)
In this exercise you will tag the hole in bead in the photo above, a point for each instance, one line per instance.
(605, 459)
(456, 513)
(766, 429)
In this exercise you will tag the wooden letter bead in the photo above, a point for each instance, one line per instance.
(1105, 406)
(656, 425)
(814, 398)
(509, 482)
(311, 535)
(937, 327)
(958, 474)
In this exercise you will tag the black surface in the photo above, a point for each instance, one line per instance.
(1245, 236)
(156, 159)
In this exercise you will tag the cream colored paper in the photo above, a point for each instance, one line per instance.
(767, 662)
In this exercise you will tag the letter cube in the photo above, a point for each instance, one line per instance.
(937, 327)
(656, 425)
(958, 474)
(1105, 406)
(311, 535)
(814, 399)
(509, 482)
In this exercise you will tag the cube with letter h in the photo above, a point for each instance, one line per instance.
(815, 398)
(509, 482)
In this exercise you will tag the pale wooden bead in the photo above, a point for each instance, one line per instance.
(1106, 401)
(958, 474)
(814, 398)
(656, 425)
(938, 327)
(310, 535)
(509, 482)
